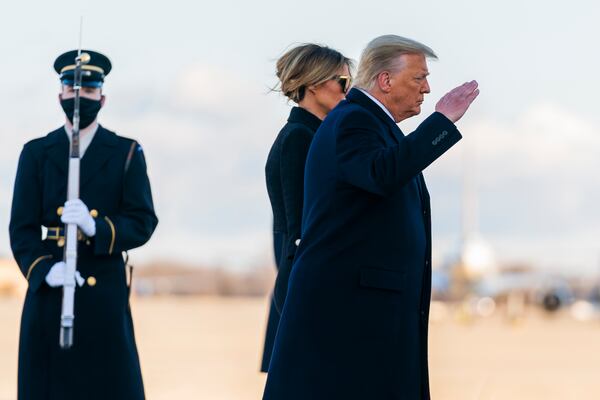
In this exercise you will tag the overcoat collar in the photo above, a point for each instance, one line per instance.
(358, 97)
(99, 151)
(302, 116)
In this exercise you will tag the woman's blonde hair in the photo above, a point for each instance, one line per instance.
(381, 54)
(306, 65)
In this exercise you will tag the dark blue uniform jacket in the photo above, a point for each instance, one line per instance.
(103, 363)
(354, 324)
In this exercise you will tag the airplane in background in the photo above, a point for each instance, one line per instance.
(473, 274)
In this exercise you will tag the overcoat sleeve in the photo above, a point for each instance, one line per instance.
(366, 161)
(25, 227)
(135, 221)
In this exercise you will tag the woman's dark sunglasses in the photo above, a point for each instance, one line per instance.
(345, 82)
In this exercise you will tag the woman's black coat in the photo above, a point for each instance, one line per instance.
(285, 184)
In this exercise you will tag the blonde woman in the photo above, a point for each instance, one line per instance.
(316, 78)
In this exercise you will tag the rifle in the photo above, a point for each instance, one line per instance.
(70, 250)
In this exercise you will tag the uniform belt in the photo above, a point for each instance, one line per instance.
(58, 233)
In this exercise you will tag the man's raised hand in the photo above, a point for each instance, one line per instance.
(455, 103)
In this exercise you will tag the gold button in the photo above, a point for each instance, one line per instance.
(60, 242)
(88, 242)
(91, 281)
(59, 211)
(94, 213)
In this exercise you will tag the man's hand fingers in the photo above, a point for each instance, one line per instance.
(462, 93)
(473, 86)
(469, 88)
(72, 214)
(73, 202)
(456, 102)
(74, 210)
(473, 95)
(465, 87)
(71, 218)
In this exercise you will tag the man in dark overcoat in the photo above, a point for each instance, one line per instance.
(114, 213)
(354, 324)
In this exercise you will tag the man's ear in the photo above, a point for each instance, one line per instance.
(383, 81)
(102, 100)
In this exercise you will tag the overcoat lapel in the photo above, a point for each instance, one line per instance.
(356, 96)
(57, 145)
(97, 154)
(101, 149)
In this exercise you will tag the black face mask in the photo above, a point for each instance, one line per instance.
(88, 110)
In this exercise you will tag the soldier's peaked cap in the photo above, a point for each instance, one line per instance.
(93, 72)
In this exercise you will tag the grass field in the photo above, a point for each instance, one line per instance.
(209, 349)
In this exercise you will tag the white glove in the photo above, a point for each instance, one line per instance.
(56, 276)
(75, 212)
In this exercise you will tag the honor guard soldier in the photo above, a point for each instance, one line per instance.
(114, 213)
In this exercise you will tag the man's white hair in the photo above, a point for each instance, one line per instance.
(381, 54)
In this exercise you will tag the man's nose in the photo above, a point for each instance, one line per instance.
(426, 88)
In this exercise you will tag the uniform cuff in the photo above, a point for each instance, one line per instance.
(37, 271)
(104, 241)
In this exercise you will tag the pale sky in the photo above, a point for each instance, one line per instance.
(191, 83)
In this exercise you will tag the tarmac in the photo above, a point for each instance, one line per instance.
(209, 348)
